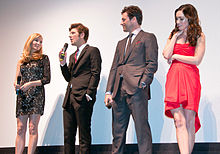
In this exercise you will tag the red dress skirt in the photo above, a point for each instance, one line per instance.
(183, 84)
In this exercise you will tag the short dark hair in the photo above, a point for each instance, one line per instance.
(81, 29)
(133, 11)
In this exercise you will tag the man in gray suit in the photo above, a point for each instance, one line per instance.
(128, 87)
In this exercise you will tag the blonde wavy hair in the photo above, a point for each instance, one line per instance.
(27, 55)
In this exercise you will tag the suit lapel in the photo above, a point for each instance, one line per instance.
(82, 53)
(123, 46)
(79, 58)
(137, 38)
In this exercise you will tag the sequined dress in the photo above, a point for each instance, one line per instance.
(32, 101)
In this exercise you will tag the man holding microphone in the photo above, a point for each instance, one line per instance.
(82, 75)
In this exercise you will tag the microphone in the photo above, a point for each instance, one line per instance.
(64, 50)
(18, 82)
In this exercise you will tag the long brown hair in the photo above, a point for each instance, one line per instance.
(27, 55)
(194, 29)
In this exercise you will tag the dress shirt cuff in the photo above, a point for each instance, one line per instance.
(62, 64)
(143, 84)
(90, 98)
(108, 93)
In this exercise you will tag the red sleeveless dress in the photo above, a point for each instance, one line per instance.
(183, 84)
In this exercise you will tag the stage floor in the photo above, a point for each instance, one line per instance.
(158, 148)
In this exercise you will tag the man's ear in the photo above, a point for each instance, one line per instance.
(82, 35)
(134, 19)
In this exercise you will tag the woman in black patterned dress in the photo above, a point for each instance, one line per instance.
(34, 70)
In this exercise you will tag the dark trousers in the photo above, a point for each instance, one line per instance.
(137, 106)
(80, 118)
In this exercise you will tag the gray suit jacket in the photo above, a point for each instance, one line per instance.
(138, 65)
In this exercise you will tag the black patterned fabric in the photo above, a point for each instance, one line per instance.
(32, 101)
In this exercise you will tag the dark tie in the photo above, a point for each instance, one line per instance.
(76, 55)
(129, 43)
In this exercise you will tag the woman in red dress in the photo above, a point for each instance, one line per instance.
(184, 50)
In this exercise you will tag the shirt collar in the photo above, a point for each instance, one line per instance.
(136, 31)
(82, 47)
